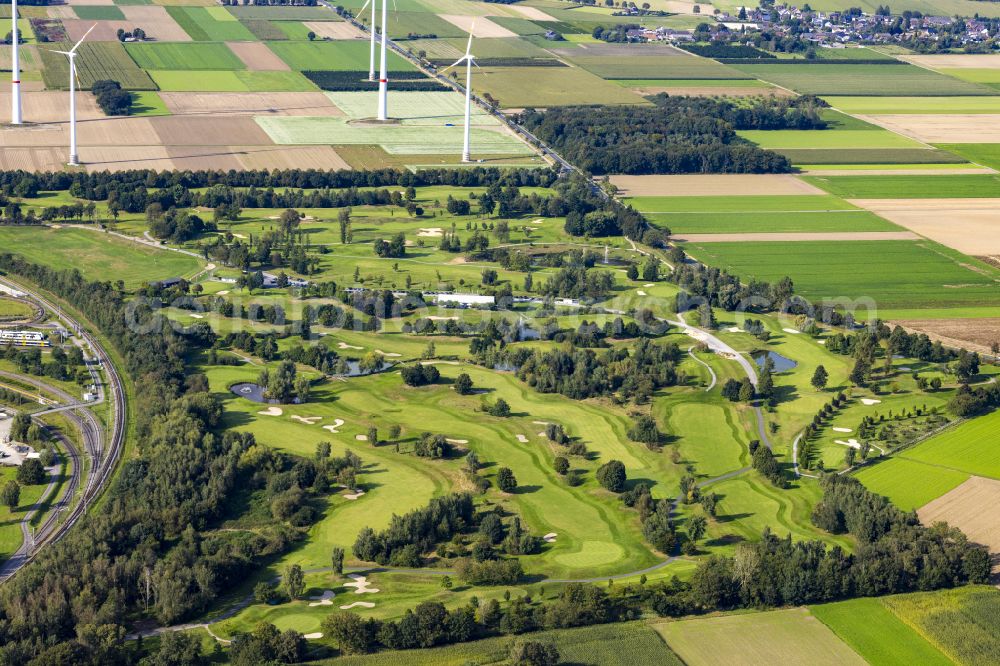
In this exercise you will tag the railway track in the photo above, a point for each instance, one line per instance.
(102, 446)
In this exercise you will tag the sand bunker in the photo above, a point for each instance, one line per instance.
(271, 411)
(538, 221)
(361, 438)
(344, 345)
(197, 316)
(541, 423)
(522, 439)
(389, 354)
(550, 537)
(439, 362)
(313, 636)
(333, 428)
(821, 342)
(223, 292)
(360, 584)
(649, 284)
(870, 401)
(430, 232)
(357, 604)
(354, 496)
(325, 599)
(734, 329)
(641, 292)
(456, 441)
(842, 429)
(791, 330)
(308, 420)
(853, 443)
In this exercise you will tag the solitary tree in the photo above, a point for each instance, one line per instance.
(11, 494)
(819, 378)
(611, 475)
(373, 435)
(295, 583)
(696, 527)
(506, 480)
(463, 384)
(337, 561)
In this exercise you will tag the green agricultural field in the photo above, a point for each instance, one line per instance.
(886, 80)
(184, 56)
(336, 56)
(264, 30)
(502, 47)
(232, 81)
(711, 222)
(828, 139)
(877, 635)
(98, 13)
(972, 447)
(97, 61)
(791, 636)
(961, 623)
(96, 254)
(656, 67)
(210, 24)
(947, 186)
(885, 158)
(283, 13)
(551, 86)
(795, 203)
(692, 83)
(402, 24)
(519, 25)
(148, 103)
(909, 484)
(892, 105)
(986, 154)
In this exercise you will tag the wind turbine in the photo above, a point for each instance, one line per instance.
(74, 159)
(383, 81)
(371, 50)
(469, 61)
(15, 69)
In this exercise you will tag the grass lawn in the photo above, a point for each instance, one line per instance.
(887, 80)
(880, 273)
(960, 622)
(972, 447)
(338, 56)
(10, 521)
(909, 484)
(791, 636)
(893, 105)
(877, 635)
(96, 254)
(12, 308)
(184, 56)
(944, 186)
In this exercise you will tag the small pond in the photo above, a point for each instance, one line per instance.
(250, 391)
(781, 363)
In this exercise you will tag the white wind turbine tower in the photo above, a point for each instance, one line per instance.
(371, 50)
(15, 69)
(74, 159)
(383, 81)
(469, 61)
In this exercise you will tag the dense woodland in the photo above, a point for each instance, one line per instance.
(677, 135)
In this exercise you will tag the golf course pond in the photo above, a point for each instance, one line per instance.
(781, 363)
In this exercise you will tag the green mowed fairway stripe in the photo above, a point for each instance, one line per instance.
(791, 636)
(708, 437)
(335, 56)
(878, 635)
(835, 79)
(96, 254)
(943, 186)
(184, 56)
(883, 273)
(972, 446)
(909, 484)
(713, 223)
(893, 105)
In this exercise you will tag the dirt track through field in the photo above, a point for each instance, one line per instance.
(971, 226)
(798, 236)
(483, 26)
(720, 185)
(256, 56)
(970, 507)
(941, 127)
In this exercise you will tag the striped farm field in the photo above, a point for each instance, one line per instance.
(910, 187)
(972, 447)
(231, 81)
(97, 61)
(920, 105)
(889, 273)
(210, 24)
(184, 56)
(862, 79)
(336, 56)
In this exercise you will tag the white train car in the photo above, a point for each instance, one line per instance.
(23, 338)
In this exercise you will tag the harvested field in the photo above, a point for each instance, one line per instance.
(118, 132)
(61, 12)
(47, 106)
(107, 31)
(958, 61)
(256, 56)
(32, 159)
(156, 21)
(208, 131)
(532, 13)
(290, 157)
(803, 236)
(479, 26)
(967, 225)
(970, 507)
(335, 30)
(973, 334)
(941, 127)
(285, 104)
(791, 636)
(713, 185)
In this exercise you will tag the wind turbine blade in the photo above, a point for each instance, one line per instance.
(472, 29)
(457, 62)
(73, 50)
(363, 7)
